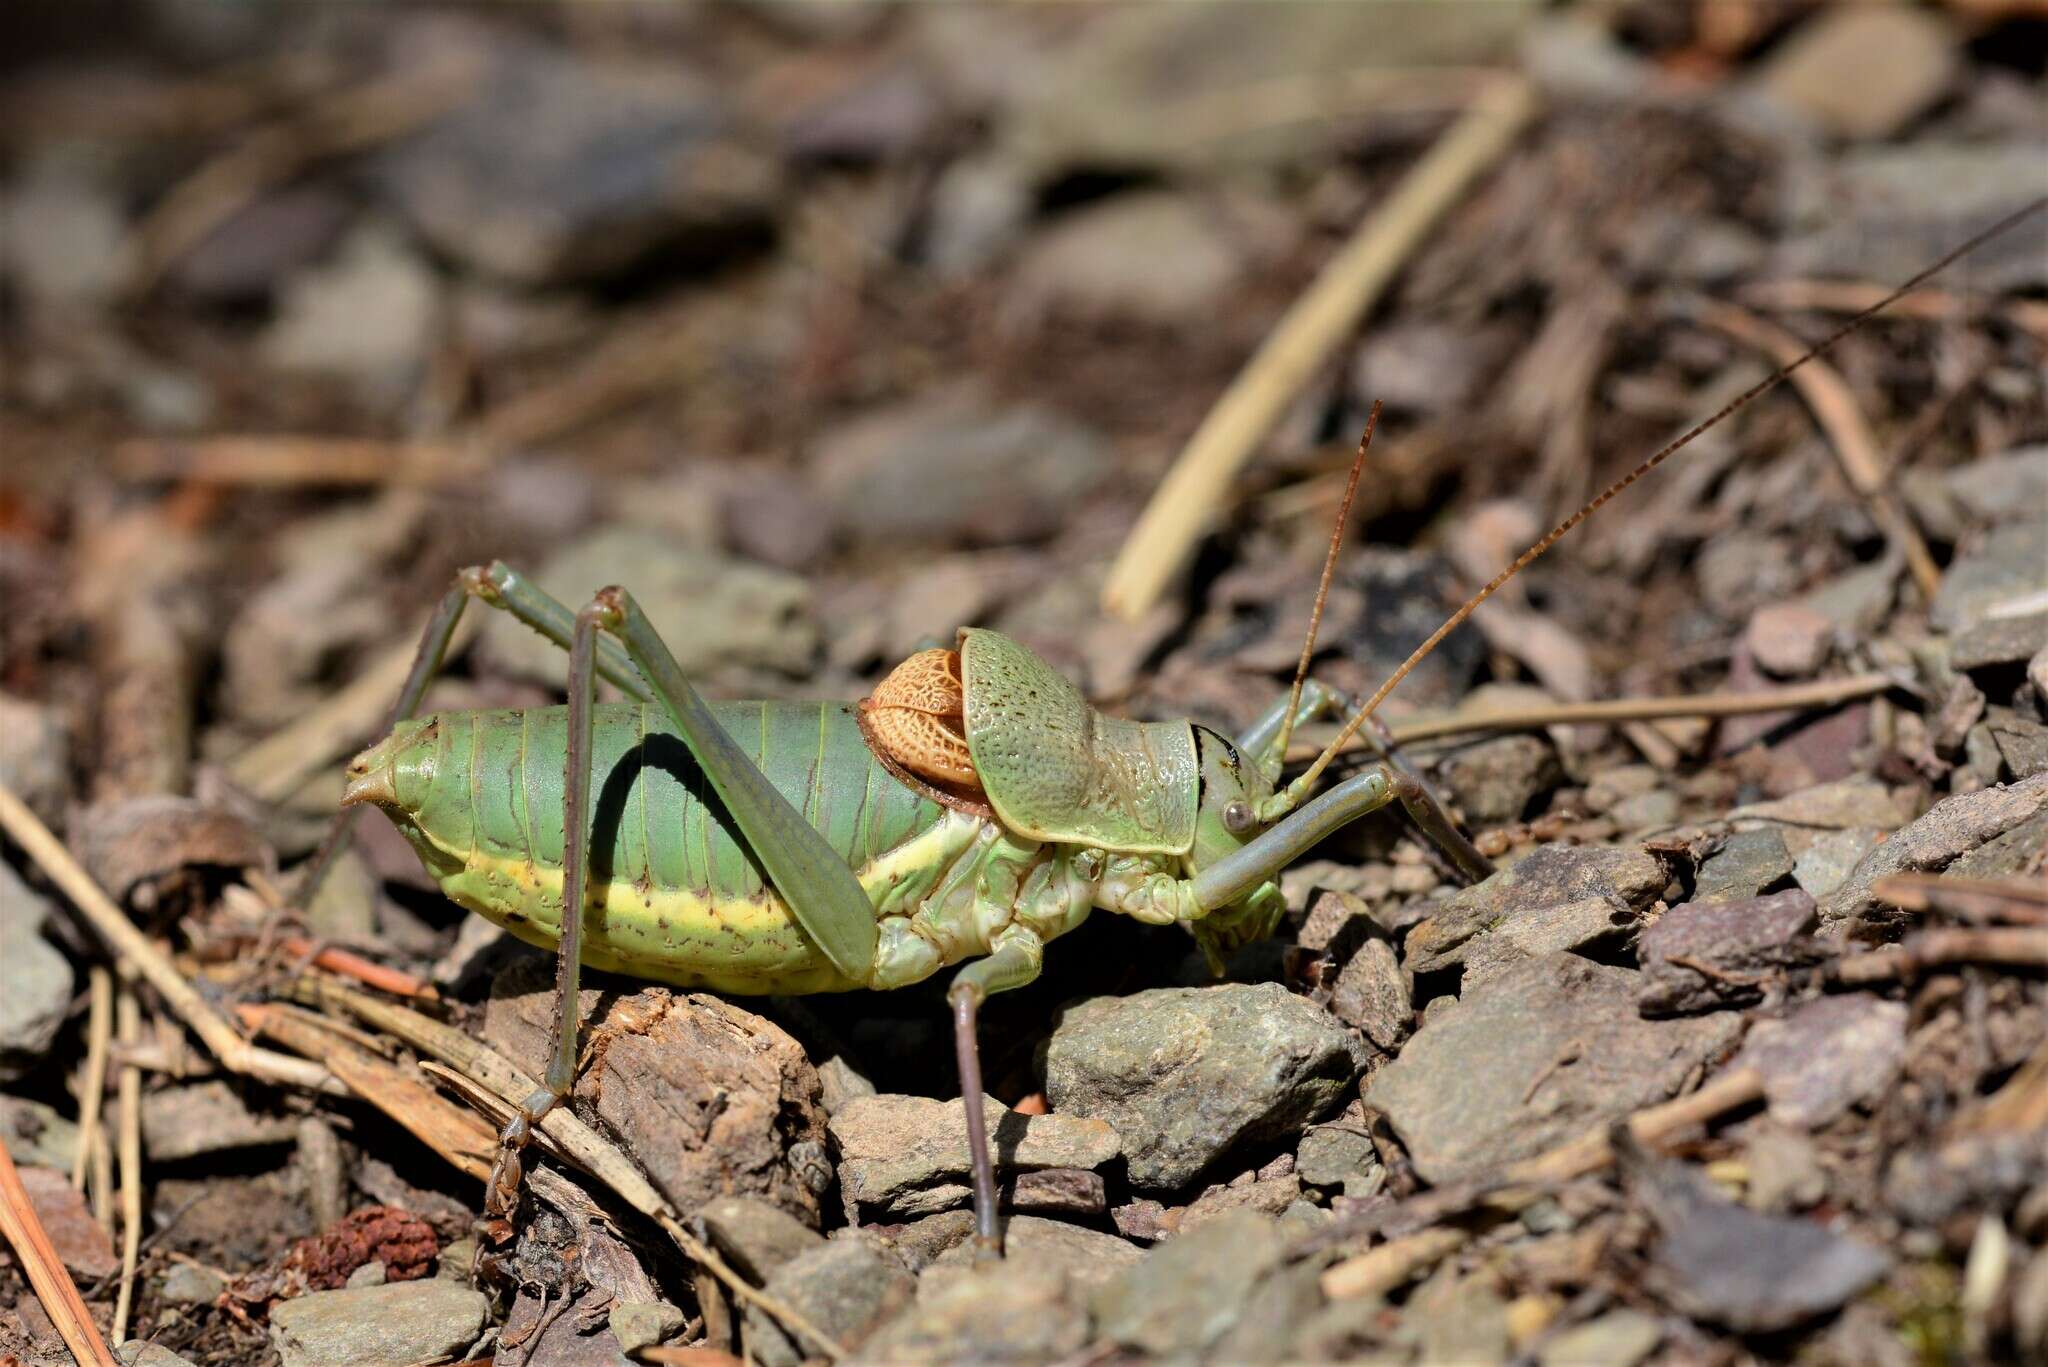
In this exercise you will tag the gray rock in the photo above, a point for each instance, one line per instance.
(1994, 489)
(1188, 1292)
(1014, 1312)
(36, 1134)
(1460, 1318)
(375, 1325)
(1535, 1055)
(1863, 73)
(757, 1237)
(1114, 95)
(1371, 993)
(1613, 881)
(61, 236)
(131, 841)
(1153, 258)
(1496, 780)
(1647, 812)
(714, 612)
(1745, 944)
(1999, 641)
(567, 167)
(1823, 865)
(141, 1353)
(1748, 863)
(959, 467)
(904, 1156)
(1949, 831)
(1186, 1074)
(845, 1288)
(35, 758)
(642, 1324)
(1619, 1338)
(372, 1273)
(1833, 806)
(1087, 1257)
(2007, 564)
(979, 207)
(840, 1082)
(1612, 786)
(1057, 1191)
(1883, 212)
(206, 1117)
(1932, 1185)
(40, 982)
(1826, 1056)
(1785, 1172)
(2021, 743)
(366, 317)
(1339, 1155)
(1734, 1267)
(1858, 600)
(1788, 639)
(190, 1284)
(244, 259)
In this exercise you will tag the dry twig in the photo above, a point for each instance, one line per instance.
(134, 950)
(1158, 545)
(1973, 899)
(128, 1116)
(92, 1087)
(2016, 946)
(292, 460)
(45, 1270)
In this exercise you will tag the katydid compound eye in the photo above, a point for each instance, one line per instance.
(1237, 818)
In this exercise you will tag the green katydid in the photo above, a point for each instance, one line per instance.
(973, 809)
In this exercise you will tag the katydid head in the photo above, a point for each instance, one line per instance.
(1226, 819)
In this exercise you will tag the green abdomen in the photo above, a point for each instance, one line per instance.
(681, 898)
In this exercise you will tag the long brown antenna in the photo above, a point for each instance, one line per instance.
(1306, 782)
(1315, 616)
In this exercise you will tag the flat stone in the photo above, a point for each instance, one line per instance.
(569, 167)
(81, 1244)
(1184, 1075)
(1339, 1155)
(1646, 812)
(1748, 863)
(1748, 1272)
(1014, 1312)
(642, 1324)
(1949, 831)
(1087, 1257)
(190, 1284)
(1833, 806)
(376, 1325)
(715, 612)
(1618, 783)
(1828, 1055)
(1883, 212)
(131, 841)
(1864, 72)
(1371, 993)
(1619, 1338)
(40, 981)
(1823, 865)
(36, 1133)
(905, 1156)
(710, 1099)
(1587, 924)
(1154, 257)
(246, 257)
(959, 467)
(1188, 1292)
(206, 1117)
(1785, 1172)
(2008, 564)
(1059, 1191)
(1460, 1318)
(1496, 780)
(1744, 944)
(845, 1288)
(1999, 641)
(1535, 1055)
(1993, 489)
(366, 317)
(755, 1236)
(61, 236)
(1556, 876)
(141, 1353)
(1789, 640)
(2021, 743)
